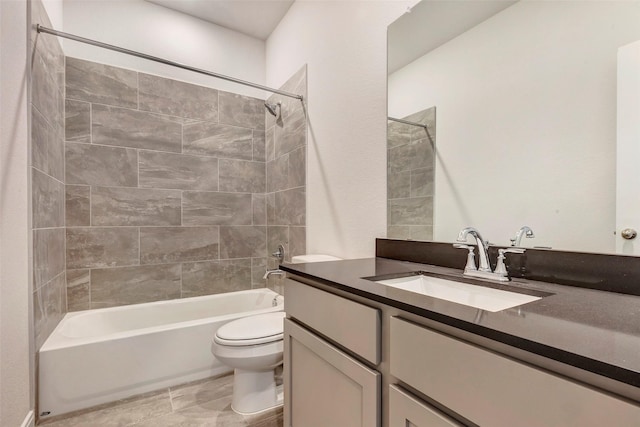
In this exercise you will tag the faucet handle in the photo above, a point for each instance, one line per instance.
(471, 257)
(511, 251)
(501, 269)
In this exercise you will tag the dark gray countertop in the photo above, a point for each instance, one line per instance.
(590, 329)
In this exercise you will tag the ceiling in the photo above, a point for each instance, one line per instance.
(256, 18)
(431, 23)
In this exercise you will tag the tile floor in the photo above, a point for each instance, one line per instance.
(201, 403)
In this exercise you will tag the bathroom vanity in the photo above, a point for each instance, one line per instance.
(361, 353)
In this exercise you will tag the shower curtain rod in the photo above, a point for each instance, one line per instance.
(407, 122)
(42, 29)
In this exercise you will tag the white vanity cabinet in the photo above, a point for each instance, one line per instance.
(407, 410)
(351, 362)
(489, 389)
(326, 385)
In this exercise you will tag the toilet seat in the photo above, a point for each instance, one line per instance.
(251, 330)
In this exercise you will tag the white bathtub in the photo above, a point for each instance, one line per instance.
(99, 356)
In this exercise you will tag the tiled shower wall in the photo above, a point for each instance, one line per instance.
(286, 148)
(166, 188)
(411, 177)
(47, 177)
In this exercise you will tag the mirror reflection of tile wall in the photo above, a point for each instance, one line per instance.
(410, 176)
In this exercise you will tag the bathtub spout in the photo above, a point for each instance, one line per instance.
(270, 272)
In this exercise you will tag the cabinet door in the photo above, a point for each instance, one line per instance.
(407, 411)
(324, 386)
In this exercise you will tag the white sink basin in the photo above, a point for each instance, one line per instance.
(481, 297)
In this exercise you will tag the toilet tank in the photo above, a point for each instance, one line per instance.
(299, 259)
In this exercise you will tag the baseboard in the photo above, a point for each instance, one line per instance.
(30, 420)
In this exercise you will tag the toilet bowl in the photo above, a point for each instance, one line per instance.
(253, 347)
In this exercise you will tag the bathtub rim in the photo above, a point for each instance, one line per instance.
(57, 340)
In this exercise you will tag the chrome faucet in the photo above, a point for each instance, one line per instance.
(484, 269)
(524, 231)
(270, 272)
(483, 253)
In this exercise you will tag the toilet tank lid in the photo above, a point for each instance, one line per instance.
(253, 327)
(299, 259)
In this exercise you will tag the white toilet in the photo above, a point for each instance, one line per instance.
(253, 346)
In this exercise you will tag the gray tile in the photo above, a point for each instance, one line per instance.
(413, 211)
(166, 96)
(243, 241)
(49, 47)
(101, 247)
(258, 268)
(398, 134)
(242, 176)
(214, 413)
(131, 411)
(135, 206)
(104, 84)
(215, 277)
(40, 334)
(51, 304)
(78, 290)
(277, 235)
(163, 170)
(402, 232)
(422, 182)
(45, 92)
(297, 241)
(48, 254)
(278, 174)
(199, 392)
(415, 155)
(290, 207)
(259, 206)
(98, 165)
(399, 185)
(77, 121)
(298, 167)
(212, 139)
(271, 418)
(47, 150)
(421, 232)
(204, 208)
(271, 210)
(259, 146)
(112, 287)
(239, 110)
(137, 129)
(77, 203)
(178, 244)
(270, 144)
(47, 196)
(292, 134)
(41, 133)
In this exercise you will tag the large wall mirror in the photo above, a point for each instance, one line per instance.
(530, 117)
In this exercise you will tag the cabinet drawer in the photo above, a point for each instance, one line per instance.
(352, 325)
(405, 410)
(492, 390)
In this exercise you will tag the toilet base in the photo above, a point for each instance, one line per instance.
(255, 391)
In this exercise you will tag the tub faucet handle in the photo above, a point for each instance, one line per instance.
(279, 253)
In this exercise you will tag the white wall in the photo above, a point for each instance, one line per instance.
(16, 393)
(344, 45)
(155, 30)
(526, 122)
